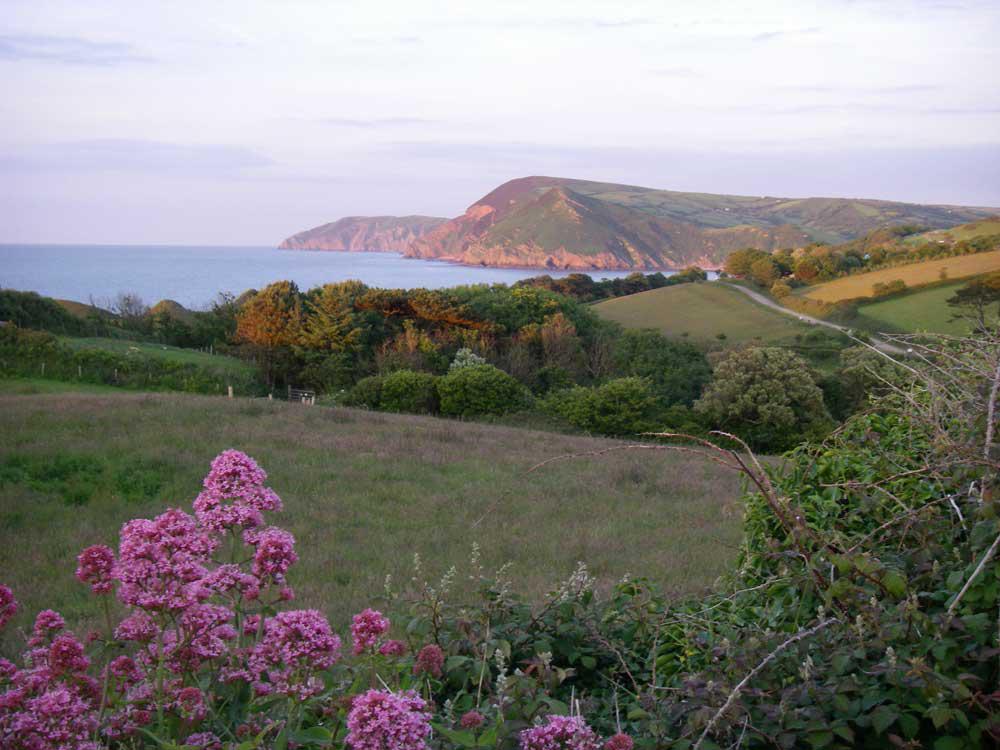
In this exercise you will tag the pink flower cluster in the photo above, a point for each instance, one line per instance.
(8, 605)
(295, 645)
(380, 719)
(234, 495)
(188, 612)
(619, 742)
(94, 566)
(367, 628)
(429, 661)
(49, 704)
(560, 733)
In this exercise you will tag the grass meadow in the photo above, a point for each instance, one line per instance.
(914, 274)
(363, 492)
(702, 312)
(172, 353)
(918, 311)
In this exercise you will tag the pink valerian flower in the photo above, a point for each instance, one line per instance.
(66, 655)
(275, 554)
(203, 635)
(190, 704)
(138, 627)
(8, 605)
(392, 648)
(125, 669)
(7, 670)
(204, 741)
(619, 741)
(295, 645)
(161, 561)
(94, 567)
(367, 628)
(381, 719)
(56, 719)
(430, 660)
(471, 720)
(234, 494)
(560, 733)
(230, 578)
(47, 623)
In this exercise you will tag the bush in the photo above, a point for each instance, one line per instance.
(625, 406)
(767, 396)
(884, 289)
(483, 389)
(780, 289)
(675, 371)
(366, 393)
(409, 391)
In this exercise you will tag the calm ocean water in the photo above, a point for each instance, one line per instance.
(193, 276)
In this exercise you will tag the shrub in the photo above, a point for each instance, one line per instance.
(366, 393)
(409, 391)
(780, 289)
(479, 390)
(625, 406)
(675, 371)
(465, 357)
(885, 288)
(766, 395)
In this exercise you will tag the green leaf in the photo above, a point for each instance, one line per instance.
(883, 717)
(940, 715)
(313, 736)
(820, 739)
(910, 725)
(950, 743)
(894, 583)
(589, 662)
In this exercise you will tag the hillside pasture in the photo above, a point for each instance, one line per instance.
(702, 312)
(925, 310)
(363, 492)
(172, 353)
(914, 274)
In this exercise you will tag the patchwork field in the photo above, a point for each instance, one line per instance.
(363, 492)
(702, 311)
(922, 310)
(915, 274)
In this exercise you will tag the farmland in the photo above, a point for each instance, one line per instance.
(363, 493)
(171, 353)
(920, 310)
(701, 312)
(915, 274)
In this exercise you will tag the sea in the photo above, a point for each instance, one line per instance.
(194, 276)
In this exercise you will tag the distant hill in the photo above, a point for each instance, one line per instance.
(557, 223)
(364, 233)
(561, 223)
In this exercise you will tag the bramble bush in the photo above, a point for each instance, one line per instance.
(409, 391)
(862, 613)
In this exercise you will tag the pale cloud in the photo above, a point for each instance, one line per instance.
(306, 110)
(67, 50)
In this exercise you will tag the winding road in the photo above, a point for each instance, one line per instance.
(883, 346)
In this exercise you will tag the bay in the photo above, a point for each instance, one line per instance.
(193, 276)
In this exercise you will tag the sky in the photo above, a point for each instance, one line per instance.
(240, 122)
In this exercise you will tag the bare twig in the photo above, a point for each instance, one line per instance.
(975, 574)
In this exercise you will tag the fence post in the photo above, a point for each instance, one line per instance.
(43, 369)
(270, 397)
(230, 391)
(79, 372)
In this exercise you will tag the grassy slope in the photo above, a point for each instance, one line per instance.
(914, 274)
(922, 310)
(184, 356)
(702, 311)
(363, 492)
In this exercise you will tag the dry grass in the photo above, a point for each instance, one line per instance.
(363, 492)
(914, 274)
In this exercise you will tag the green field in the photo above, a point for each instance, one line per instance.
(173, 353)
(31, 386)
(922, 310)
(702, 311)
(363, 492)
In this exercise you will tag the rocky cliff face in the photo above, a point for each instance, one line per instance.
(364, 234)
